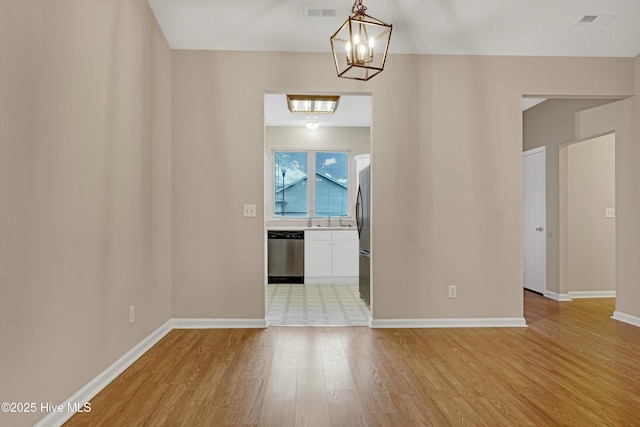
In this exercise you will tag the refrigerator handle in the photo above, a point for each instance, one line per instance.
(359, 211)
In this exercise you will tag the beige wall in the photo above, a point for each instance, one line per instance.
(624, 118)
(591, 236)
(446, 176)
(551, 124)
(124, 166)
(357, 140)
(85, 173)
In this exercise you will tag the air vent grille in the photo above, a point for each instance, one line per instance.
(311, 12)
(596, 19)
(588, 19)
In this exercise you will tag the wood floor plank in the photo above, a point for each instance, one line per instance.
(279, 405)
(572, 366)
(337, 374)
(366, 364)
(312, 407)
(345, 409)
(250, 379)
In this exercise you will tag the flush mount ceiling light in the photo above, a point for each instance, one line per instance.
(360, 45)
(312, 125)
(316, 104)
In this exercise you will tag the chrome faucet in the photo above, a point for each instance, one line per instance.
(341, 225)
(309, 222)
(329, 221)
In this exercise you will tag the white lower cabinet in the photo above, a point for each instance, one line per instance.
(344, 254)
(317, 254)
(331, 256)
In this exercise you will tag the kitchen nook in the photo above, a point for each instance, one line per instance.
(313, 211)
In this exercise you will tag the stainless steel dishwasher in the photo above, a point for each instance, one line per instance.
(285, 256)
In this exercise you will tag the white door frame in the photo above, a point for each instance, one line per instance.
(543, 219)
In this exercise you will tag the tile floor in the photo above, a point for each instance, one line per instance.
(315, 305)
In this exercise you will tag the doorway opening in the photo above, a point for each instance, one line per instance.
(311, 182)
(579, 232)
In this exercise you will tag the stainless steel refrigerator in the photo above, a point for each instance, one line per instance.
(363, 220)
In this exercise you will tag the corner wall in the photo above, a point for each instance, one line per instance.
(85, 185)
(624, 118)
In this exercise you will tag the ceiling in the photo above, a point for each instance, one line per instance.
(460, 27)
(451, 27)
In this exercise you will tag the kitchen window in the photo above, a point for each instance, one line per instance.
(297, 196)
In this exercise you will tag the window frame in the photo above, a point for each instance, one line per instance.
(311, 183)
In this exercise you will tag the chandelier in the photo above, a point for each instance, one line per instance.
(360, 45)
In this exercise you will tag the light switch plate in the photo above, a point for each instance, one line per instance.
(610, 213)
(249, 211)
(453, 291)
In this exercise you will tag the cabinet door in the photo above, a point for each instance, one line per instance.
(317, 254)
(344, 254)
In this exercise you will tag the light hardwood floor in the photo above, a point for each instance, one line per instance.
(573, 365)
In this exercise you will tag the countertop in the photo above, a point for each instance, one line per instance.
(317, 224)
(316, 228)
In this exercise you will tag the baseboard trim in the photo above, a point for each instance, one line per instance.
(185, 323)
(556, 296)
(626, 318)
(488, 322)
(93, 387)
(592, 294)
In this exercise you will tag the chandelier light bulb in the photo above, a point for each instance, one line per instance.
(361, 51)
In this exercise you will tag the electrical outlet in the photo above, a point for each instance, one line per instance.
(453, 291)
(610, 213)
(132, 314)
(249, 211)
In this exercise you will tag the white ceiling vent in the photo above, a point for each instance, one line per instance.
(317, 12)
(596, 19)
